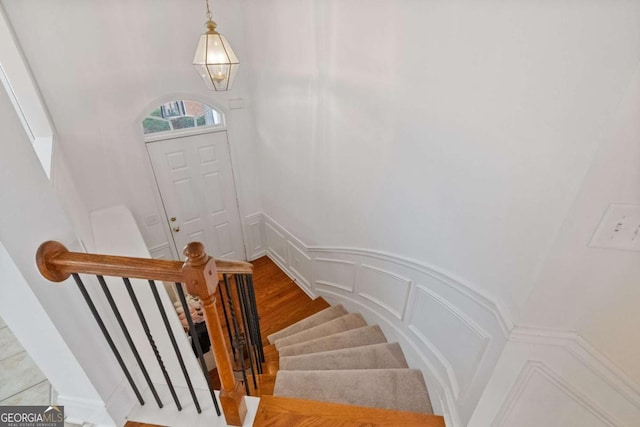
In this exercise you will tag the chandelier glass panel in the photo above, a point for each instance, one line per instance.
(214, 59)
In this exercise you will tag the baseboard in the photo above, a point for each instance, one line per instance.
(80, 411)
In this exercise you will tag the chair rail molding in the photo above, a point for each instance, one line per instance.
(448, 328)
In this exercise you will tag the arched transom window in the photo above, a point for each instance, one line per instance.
(179, 115)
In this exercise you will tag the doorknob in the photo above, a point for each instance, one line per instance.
(176, 229)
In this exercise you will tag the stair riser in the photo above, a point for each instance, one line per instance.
(378, 356)
(354, 338)
(311, 321)
(400, 389)
(335, 326)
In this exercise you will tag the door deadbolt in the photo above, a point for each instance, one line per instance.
(173, 219)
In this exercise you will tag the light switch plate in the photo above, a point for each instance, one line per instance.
(236, 103)
(619, 228)
(152, 220)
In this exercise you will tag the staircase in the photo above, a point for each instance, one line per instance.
(330, 368)
(335, 357)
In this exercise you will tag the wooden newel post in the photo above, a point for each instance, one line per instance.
(201, 279)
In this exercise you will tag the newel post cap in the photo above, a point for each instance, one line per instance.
(201, 275)
(45, 255)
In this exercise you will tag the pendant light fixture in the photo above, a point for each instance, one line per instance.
(214, 59)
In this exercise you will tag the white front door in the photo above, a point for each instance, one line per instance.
(198, 192)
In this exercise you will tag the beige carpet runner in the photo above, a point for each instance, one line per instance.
(334, 356)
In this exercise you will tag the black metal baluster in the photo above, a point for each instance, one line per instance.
(127, 335)
(196, 343)
(167, 325)
(256, 317)
(247, 325)
(134, 300)
(226, 318)
(253, 322)
(107, 336)
(237, 340)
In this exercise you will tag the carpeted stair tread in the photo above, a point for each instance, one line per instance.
(337, 325)
(365, 335)
(376, 356)
(314, 320)
(399, 389)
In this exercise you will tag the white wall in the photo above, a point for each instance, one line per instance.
(99, 67)
(457, 133)
(577, 350)
(31, 110)
(593, 290)
(482, 138)
(50, 320)
(67, 194)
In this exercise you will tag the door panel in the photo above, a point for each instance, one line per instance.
(197, 188)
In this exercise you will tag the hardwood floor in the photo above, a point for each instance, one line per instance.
(280, 303)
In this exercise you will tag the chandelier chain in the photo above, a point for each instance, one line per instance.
(209, 15)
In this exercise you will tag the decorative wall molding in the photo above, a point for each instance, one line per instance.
(533, 371)
(580, 349)
(428, 312)
(481, 370)
(300, 264)
(276, 243)
(341, 274)
(543, 373)
(456, 341)
(376, 280)
(496, 307)
(254, 227)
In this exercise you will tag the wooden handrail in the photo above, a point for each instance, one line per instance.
(200, 275)
(56, 263)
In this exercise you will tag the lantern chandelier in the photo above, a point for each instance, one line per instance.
(214, 59)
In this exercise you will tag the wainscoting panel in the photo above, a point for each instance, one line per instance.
(335, 273)
(288, 253)
(548, 378)
(276, 243)
(460, 346)
(300, 264)
(451, 332)
(384, 288)
(541, 397)
(254, 226)
(479, 369)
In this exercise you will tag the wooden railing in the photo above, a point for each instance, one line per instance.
(199, 273)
